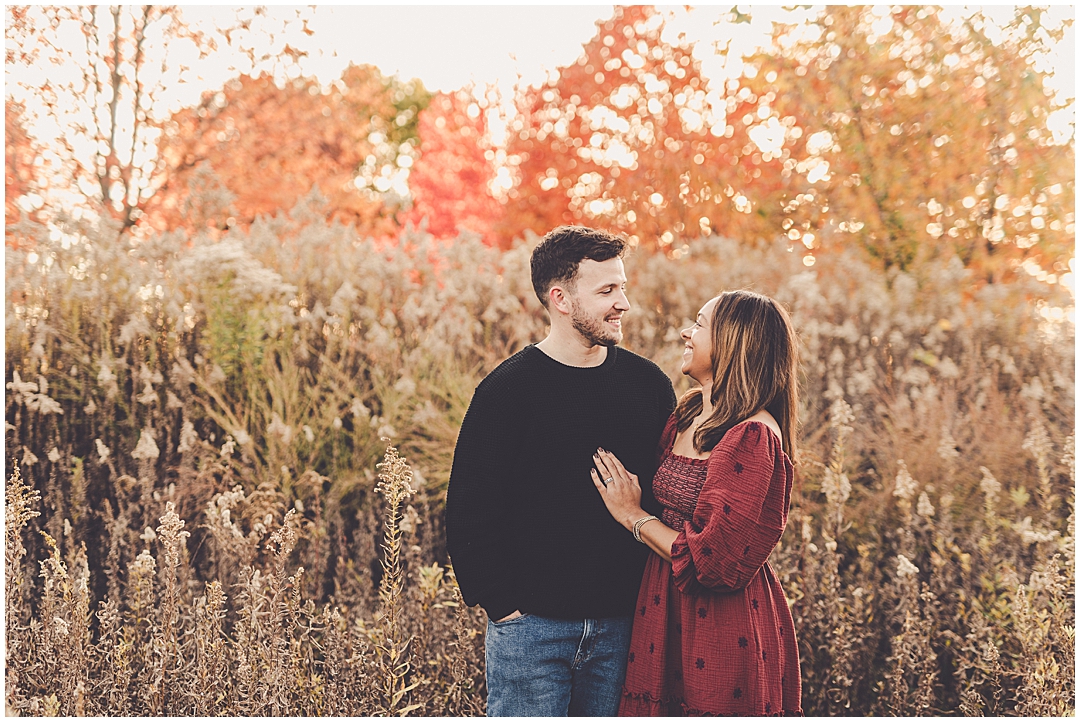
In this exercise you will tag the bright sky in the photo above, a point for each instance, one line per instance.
(450, 46)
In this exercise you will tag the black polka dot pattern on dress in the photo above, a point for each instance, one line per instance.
(743, 642)
(701, 612)
(631, 658)
(768, 707)
(753, 603)
(656, 600)
(764, 655)
(700, 663)
(707, 551)
(746, 550)
(737, 693)
(642, 610)
(738, 468)
(727, 508)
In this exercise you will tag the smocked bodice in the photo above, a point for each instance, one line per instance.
(677, 485)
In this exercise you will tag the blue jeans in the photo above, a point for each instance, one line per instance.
(540, 667)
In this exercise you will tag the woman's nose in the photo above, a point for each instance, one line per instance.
(685, 334)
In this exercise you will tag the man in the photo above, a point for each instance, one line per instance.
(529, 536)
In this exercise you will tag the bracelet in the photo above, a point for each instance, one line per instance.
(640, 523)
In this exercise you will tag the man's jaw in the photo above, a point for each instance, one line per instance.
(599, 330)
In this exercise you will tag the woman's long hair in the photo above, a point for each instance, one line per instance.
(755, 361)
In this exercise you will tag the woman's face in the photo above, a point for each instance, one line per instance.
(697, 357)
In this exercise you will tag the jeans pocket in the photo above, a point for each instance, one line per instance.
(508, 622)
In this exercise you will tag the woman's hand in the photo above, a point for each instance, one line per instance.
(622, 496)
(618, 488)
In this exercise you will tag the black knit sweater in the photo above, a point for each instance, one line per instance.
(525, 527)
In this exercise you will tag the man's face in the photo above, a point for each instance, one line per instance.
(598, 301)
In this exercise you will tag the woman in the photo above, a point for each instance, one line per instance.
(713, 633)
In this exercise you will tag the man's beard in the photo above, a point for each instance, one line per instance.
(592, 329)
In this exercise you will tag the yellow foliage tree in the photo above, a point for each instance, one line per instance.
(913, 137)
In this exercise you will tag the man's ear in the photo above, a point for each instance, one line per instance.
(559, 300)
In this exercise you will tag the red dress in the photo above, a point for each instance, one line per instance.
(713, 633)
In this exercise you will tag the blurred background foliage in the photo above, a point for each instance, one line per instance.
(240, 299)
(902, 133)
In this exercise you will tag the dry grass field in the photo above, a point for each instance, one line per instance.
(205, 517)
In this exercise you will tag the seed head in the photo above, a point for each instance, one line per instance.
(172, 534)
(905, 484)
(837, 487)
(925, 508)
(188, 437)
(990, 486)
(395, 476)
(146, 448)
(904, 567)
(1037, 442)
(947, 448)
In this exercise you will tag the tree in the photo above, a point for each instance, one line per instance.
(100, 93)
(632, 137)
(20, 174)
(450, 182)
(913, 138)
(104, 95)
(269, 143)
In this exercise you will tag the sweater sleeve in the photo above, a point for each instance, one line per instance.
(477, 538)
(740, 513)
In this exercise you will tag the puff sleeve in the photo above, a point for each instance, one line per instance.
(740, 514)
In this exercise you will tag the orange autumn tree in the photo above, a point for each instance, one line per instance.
(20, 176)
(450, 182)
(630, 137)
(913, 138)
(269, 144)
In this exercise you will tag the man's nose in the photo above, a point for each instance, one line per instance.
(622, 302)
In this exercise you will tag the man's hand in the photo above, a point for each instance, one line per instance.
(516, 613)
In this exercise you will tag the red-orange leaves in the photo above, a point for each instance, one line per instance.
(450, 183)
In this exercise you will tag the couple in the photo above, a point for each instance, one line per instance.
(579, 486)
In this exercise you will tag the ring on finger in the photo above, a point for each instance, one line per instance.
(608, 480)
